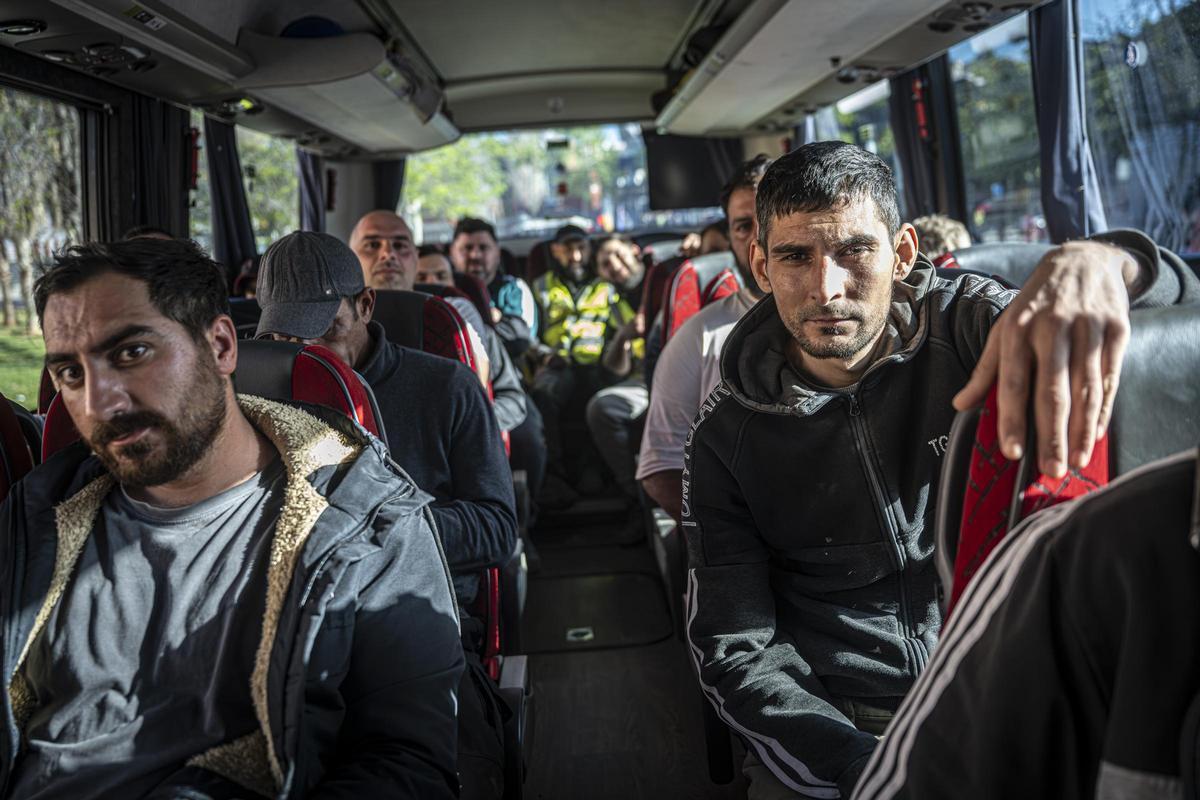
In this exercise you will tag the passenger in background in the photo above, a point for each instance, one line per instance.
(433, 267)
(246, 283)
(156, 570)
(806, 494)
(580, 313)
(938, 234)
(612, 411)
(440, 430)
(713, 239)
(690, 364)
(510, 402)
(475, 250)
(384, 245)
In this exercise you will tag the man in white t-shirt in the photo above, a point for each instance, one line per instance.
(690, 367)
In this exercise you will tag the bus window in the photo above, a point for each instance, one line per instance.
(863, 119)
(1143, 107)
(200, 206)
(993, 89)
(272, 185)
(533, 182)
(40, 212)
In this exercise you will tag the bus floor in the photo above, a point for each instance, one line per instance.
(616, 708)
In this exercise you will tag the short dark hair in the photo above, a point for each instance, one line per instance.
(145, 232)
(468, 225)
(747, 176)
(820, 176)
(184, 284)
(721, 226)
(430, 250)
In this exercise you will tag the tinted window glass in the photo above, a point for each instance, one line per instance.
(40, 212)
(863, 119)
(1143, 103)
(531, 182)
(993, 89)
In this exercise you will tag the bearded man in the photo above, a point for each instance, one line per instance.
(159, 629)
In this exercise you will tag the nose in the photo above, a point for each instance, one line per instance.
(831, 282)
(104, 395)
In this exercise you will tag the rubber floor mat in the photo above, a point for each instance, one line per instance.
(591, 612)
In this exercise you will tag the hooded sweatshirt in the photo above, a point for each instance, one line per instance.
(808, 513)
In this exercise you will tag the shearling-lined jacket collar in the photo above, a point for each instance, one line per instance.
(305, 444)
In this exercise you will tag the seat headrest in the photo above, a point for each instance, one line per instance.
(1014, 261)
(245, 313)
(402, 315)
(16, 458)
(1157, 412)
(307, 374)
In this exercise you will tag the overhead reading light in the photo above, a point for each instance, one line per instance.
(22, 27)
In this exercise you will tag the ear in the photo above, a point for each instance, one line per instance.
(222, 339)
(906, 251)
(758, 265)
(366, 304)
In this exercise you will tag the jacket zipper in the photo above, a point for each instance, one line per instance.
(859, 425)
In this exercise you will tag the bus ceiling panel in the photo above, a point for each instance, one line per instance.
(552, 99)
(227, 18)
(484, 38)
(775, 51)
(166, 32)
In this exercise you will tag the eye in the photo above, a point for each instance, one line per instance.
(131, 353)
(68, 375)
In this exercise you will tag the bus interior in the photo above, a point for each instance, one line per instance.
(237, 121)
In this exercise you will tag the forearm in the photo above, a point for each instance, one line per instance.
(475, 534)
(666, 489)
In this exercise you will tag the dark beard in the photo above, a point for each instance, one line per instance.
(868, 330)
(183, 444)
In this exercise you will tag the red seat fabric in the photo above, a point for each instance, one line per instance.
(424, 322)
(16, 459)
(1000, 493)
(46, 392)
(696, 283)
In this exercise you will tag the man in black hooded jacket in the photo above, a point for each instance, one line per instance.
(810, 476)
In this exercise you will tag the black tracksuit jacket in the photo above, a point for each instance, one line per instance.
(808, 514)
(1070, 669)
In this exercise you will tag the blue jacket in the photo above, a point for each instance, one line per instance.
(355, 677)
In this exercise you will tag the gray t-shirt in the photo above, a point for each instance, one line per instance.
(146, 661)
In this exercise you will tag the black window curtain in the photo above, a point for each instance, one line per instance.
(232, 232)
(389, 183)
(160, 144)
(1070, 189)
(924, 121)
(311, 170)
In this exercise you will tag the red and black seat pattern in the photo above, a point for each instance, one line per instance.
(696, 283)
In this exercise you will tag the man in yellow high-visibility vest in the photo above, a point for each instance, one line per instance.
(579, 314)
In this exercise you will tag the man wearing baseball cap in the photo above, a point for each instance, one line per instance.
(440, 426)
(440, 429)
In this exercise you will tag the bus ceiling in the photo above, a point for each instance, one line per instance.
(379, 78)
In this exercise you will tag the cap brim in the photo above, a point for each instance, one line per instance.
(301, 320)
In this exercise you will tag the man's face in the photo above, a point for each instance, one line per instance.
(476, 254)
(741, 226)
(617, 262)
(146, 397)
(572, 255)
(435, 268)
(832, 273)
(384, 246)
(347, 335)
